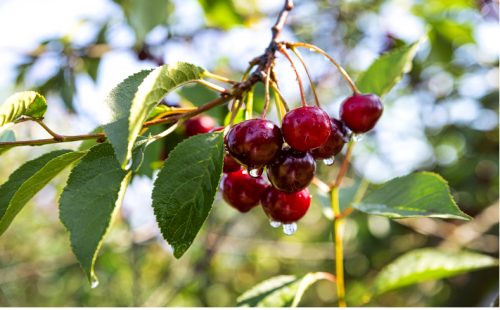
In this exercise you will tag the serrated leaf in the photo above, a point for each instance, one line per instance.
(91, 199)
(423, 194)
(428, 264)
(28, 180)
(24, 103)
(185, 189)
(129, 104)
(386, 71)
(7, 136)
(280, 291)
(87, 144)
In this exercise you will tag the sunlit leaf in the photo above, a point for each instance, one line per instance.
(428, 264)
(220, 13)
(185, 189)
(28, 180)
(423, 194)
(24, 103)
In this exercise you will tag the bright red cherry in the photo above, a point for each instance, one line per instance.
(360, 113)
(230, 165)
(335, 143)
(254, 142)
(292, 171)
(284, 208)
(306, 128)
(199, 125)
(241, 191)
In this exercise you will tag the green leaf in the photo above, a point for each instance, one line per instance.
(144, 15)
(87, 144)
(423, 194)
(428, 264)
(7, 136)
(129, 104)
(91, 66)
(220, 13)
(91, 199)
(185, 188)
(24, 103)
(28, 180)
(280, 291)
(199, 94)
(386, 71)
(453, 31)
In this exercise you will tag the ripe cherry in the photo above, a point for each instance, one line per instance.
(254, 142)
(241, 191)
(360, 113)
(284, 208)
(230, 165)
(199, 125)
(306, 128)
(335, 143)
(292, 171)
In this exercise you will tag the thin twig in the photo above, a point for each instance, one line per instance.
(308, 75)
(301, 88)
(345, 165)
(277, 90)
(217, 77)
(53, 134)
(238, 102)
(266, 103)
(317, 49)
(164, 133)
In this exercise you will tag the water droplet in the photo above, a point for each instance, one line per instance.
(357, 137)
(255, 173)
(348, 135)
(129, 164)
(290, 229)
(274, 224)
(329, 161)
(95, 282)
(312, 49)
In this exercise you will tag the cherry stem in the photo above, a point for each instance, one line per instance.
(321, 185)
(338, 233)
(169, 112)
(317, 49)
(165, 133)
(308, 75)
(267, 79)
(249, 110)
(302, 95)
(217, 77)
(41, 123)
(208, 84)
(345, 165)
(238, 102)
(280, 96)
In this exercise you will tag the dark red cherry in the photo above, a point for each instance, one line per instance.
(230, 165)
(254, 142)
(284, 208)
(199, 125)
(241, 191)
(335, 142)
(292, 171)
(306, 128)
(360, 113)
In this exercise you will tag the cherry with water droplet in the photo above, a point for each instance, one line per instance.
(241, 191)
(230, 165)
(254, 143)
(199, 125)
(292, 171)
(335, 142)
(306, 128)
(284, 208)
(360, 113)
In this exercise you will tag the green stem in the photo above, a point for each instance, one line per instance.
(338, 233)
(249, 110)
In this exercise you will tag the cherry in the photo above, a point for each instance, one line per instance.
(199, 125)
(306, 128)
(360, 113)
(335, 143)
(254, 143)
(292, 171)
(284, 208)
(241, 191)
(230, 165)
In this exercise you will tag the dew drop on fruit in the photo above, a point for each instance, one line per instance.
(255, 173)
(129, 164)
(94, 283)
(348, 135)
(357, 137)
(274, 224)
(290, 229)
(329, 161)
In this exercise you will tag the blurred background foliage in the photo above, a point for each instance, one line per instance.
(442, 117)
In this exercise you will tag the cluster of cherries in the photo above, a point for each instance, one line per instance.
(310, 134)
